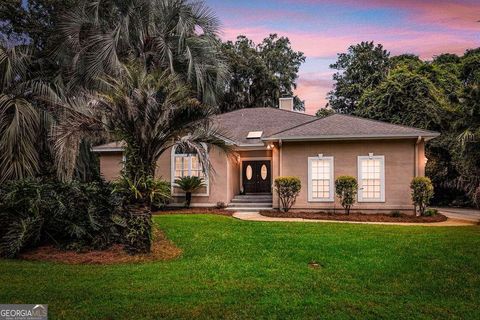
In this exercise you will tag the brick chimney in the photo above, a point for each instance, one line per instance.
(286, 103)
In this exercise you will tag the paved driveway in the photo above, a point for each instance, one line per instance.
(460, 213)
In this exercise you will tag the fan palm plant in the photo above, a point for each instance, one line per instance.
(189, 184)
(177, 36)
(21, 121)
(151, 112)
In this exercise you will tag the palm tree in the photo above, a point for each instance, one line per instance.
(177, 36)
(22, 122)
(151, 112)
(189, 184)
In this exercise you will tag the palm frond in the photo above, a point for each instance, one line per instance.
(19, 123)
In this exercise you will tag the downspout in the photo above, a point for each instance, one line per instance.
(281, 157)
(419, 139)
(280, 164)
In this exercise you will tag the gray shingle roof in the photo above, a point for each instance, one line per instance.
(237, 124)
(287, 125)
(346, 126)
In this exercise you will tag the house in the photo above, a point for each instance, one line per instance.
(270, 142)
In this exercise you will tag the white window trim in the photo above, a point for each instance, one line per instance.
(382, 178)
(172, 175)
(310, 187)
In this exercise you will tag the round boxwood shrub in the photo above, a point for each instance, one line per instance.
(346, 189)
(287, 189)
(422, 193)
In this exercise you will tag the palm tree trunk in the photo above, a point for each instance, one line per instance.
(139, 229)
(188, 199)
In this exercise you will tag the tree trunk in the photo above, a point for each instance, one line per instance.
(188, 199)
(139, 229)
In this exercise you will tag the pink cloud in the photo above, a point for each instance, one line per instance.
(313, 88)
(425, 44)
(457, 19)
(460, 14)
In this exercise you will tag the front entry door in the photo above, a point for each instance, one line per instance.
(257, 176)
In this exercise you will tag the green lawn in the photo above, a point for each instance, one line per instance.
(236, 269)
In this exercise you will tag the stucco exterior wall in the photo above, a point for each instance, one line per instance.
(399, 169)
(421, 161)
(233, 178)
(255, 154)
(110, 165)
(291, 159)
(217, 178)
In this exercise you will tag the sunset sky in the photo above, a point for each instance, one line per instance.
(323, 28)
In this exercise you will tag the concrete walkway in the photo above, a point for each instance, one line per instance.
(255, 216)
(461, 213)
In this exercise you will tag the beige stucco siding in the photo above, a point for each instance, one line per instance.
(233, 178)
(217, 178)
(403, 160)
(110, 165)
(399, 168)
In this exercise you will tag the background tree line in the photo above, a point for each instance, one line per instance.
(441, 95)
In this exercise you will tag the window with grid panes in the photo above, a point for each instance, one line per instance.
(371, 178)
(320, 179)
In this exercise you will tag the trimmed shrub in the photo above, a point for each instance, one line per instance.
(395, 213)
(346, 189)
(287, 189)
(422, 193)
(69, 215)
(430, 212)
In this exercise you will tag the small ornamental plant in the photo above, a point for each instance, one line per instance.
(288, 189)
(422, 193)
(346, 189)
(189, 185)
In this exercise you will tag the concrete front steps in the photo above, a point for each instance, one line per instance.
(251, 202)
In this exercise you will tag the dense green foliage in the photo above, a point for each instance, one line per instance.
(324, 112)
(346, 190)
(288, 189)
(70, 215)
(422, 193)
(146, 73)
(260, 74)
(441, 95)
(189, 184)
(32, 22)
(232, 269)
(362, 68)
(155, 192)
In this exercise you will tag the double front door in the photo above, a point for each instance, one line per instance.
(257, 176)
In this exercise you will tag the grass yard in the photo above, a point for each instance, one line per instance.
(236, 269)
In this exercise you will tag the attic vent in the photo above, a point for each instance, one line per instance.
(254, 134)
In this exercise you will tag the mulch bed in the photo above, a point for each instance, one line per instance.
(374, 217)
(162, 249)
(221, 212)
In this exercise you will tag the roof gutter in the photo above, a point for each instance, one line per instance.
(113, 149)
(343, 137)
